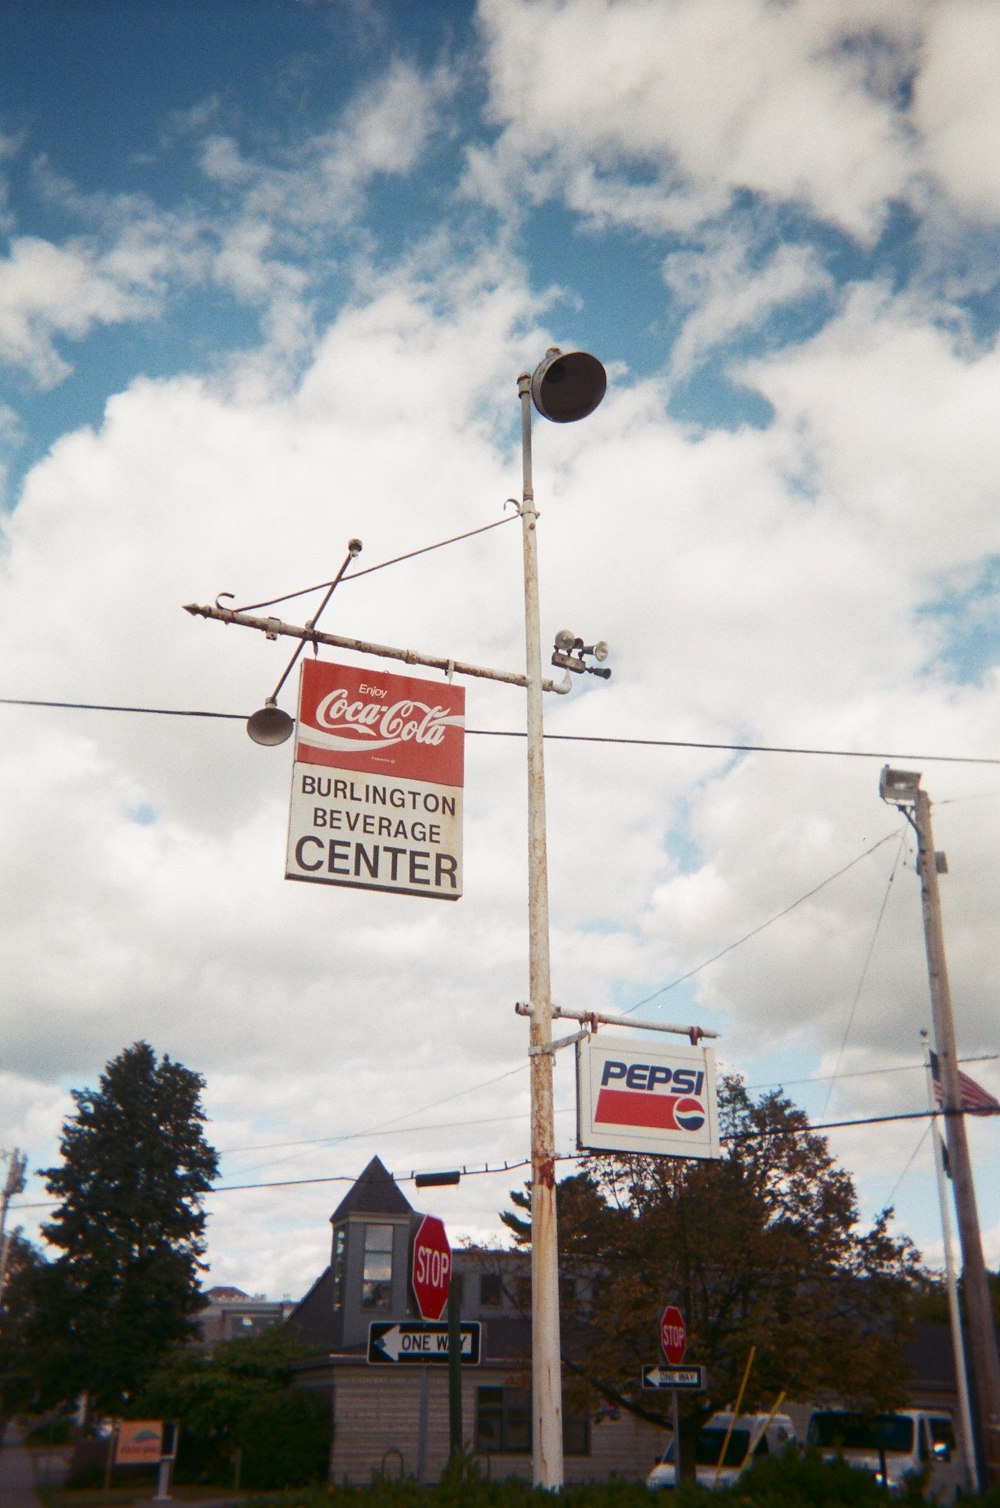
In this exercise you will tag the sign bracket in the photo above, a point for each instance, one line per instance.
(593, 1019)
(552, 1048)
(274, 628)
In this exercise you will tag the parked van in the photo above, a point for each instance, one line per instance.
(751, 1437)
(894, 1447)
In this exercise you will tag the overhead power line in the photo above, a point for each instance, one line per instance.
(510, 1167)
(574, 738)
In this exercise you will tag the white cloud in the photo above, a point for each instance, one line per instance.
(770, 99)
(729, 294)
(956, 105)
(894, 413)
(766, 585)
(48, 291)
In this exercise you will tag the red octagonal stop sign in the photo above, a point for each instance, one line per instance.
(431, 1271)
(673, 1335)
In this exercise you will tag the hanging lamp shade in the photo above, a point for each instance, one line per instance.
(270, 726)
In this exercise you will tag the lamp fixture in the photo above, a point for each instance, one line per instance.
(899, 787)
(270, 726)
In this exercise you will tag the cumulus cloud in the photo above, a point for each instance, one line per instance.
(785, 102)
(48, 291)
(730, 291)
(793, 583)
(955, 104)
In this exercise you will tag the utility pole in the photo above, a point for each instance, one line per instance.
(902, 788)
(14, 1185)
(564, 387)
(966, 1433)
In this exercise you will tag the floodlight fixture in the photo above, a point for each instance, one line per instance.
(569, 654)
(567, 385)
(899, 787)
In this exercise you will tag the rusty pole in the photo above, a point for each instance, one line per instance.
(546, 1366)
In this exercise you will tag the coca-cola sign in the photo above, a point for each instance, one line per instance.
(363, 719)
(377, 782)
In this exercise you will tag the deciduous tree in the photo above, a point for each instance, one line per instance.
(762, 1248)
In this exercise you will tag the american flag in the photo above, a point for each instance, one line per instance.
(973, 1097)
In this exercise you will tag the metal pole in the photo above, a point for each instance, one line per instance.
(546, 1369)
(982, 1341)
(454, 1375)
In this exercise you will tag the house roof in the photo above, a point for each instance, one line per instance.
(374, 1193)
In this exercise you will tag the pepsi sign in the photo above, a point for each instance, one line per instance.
(636, 1097)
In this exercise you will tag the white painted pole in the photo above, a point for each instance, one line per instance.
(546, 1366)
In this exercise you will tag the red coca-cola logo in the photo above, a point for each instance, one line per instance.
(357, 719)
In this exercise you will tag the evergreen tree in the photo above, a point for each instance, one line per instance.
(129, 1227)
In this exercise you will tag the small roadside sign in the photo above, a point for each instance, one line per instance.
(139, 1442)
(658, 1377)
(410, 1342)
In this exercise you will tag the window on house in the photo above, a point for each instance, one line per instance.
(490, 1290)
(503, 1424)
(337, 1264)
(503, 1421)
(576, 1432)
(376, 1281)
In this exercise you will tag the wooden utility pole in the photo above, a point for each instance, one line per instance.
(903, 790)
(14, 1185)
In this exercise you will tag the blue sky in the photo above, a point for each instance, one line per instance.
(268, 272)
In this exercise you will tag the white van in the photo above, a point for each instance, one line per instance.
(751, 1436)
(894, 1447)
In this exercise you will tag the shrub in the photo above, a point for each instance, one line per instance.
(285, 1439)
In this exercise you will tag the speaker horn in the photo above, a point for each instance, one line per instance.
(270, 726)
(567, 385)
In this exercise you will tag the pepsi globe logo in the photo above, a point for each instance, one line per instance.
(689, 1115)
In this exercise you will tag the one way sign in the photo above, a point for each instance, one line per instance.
(657, 1377)
(415, 1342)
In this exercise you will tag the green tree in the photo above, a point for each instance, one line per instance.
(240, 1398)
(129, 1226)
(17, 1380)
(761, 1249)
(210, 1392)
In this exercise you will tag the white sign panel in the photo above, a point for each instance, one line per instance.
(636, 1097)
(377, 782)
